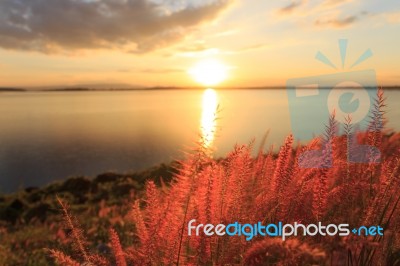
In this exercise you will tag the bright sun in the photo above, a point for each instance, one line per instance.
(209, 72)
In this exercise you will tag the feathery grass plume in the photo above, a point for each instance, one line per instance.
(296, 205)
(241, 176)
(218, 206)
(282, 175)
(79, 241)
(61, 259)
(117, 249)
(321, 181)
(348, 131)
(320, 194)
(389, 185)
(154, 218)
(180, 201)
(264, 184)
(97, 260)
(282, 170)
(223, 200)
(141, 229)
(377, 121)
(234, 172)
(259, 171)
(187, 202)
(372, 251)
(328, 142)
(204, 207)
(383, 207)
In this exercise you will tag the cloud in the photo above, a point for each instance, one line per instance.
(253, 47)
(152, 70)
(196, 47)
(337, 22)
(196, 50)
(393, 17)
(226, 33)
(290, 7)
(336, 2)
(69, 25)
(201, 50)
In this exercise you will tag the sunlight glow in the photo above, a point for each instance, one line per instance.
(209, 72)
(208, 117)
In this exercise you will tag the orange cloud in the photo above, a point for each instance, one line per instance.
(290, 7)
(337, 22)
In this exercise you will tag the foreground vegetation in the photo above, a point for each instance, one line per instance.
(31, 220)
(141, 219)
(268, 188)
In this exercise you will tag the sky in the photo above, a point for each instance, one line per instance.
(155, 42)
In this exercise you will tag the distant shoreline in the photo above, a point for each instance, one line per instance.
(84, 89)
(12, 90)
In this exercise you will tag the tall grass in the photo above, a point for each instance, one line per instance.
(269, 188)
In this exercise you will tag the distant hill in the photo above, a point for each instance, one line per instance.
(12, 89)
(85, 87)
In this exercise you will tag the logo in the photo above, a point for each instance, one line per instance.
(348, 96)
(279, 230)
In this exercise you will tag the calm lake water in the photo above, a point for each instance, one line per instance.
(47, 136)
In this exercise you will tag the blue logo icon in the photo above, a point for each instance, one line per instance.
(348, 97)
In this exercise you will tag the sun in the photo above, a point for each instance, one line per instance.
(209, 72)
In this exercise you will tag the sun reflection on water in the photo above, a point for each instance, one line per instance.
(208, 117)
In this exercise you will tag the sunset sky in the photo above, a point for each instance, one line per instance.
(156, 42)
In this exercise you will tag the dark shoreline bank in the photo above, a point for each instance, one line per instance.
(36, 203)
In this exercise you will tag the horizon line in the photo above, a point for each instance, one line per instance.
(143, 88)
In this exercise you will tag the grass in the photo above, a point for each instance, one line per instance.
(267, 188)
(31, 219)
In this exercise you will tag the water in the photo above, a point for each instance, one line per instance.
(47, 136)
